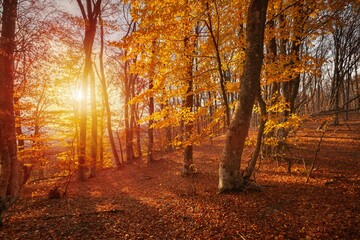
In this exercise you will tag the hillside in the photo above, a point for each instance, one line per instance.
(153, 201)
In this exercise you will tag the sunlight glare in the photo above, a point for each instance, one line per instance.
(78, 95)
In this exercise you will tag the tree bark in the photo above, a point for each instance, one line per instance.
(90, 16)
(118, 164)
(188, 166)
(291, 88)
(215, 41)
(263, 118)
(94, 127)
(230, 178)
(128, 82)
(150, 157)
(10, 174)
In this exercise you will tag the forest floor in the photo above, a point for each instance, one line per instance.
(153, 201)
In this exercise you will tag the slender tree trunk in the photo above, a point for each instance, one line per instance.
(335, 86)
(188, 166)
(291, 88)
(118, 164)
(132, 114)
(230, 178)
(219, 65)
(120, 146)
(138, 138)
(357, 86)
(90, 16)
(94, 127)
(128, 131)
(169, 138)
(10, 174)
(274, 88)
(150, 157)
(19, 132)
(251, 167)
(101, 137)
(151, 129)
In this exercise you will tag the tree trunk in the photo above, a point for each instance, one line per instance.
(132, 114)
(291, 88)
(118, 164)
(120, 146)
(215, 41)
(101, 137)
(94, 135)
(357, 87)
(337, 80)
(188, 166)
(150, 128)
(19, 133)
(138, 138)
(230, 178)
(90, 21)
(10, 175)
(150, 157)
(251, 167)
(169, 146)
(128, 131)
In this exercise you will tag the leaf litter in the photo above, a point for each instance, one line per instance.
(153, 201)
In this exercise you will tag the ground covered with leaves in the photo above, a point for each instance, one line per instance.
(153, 201)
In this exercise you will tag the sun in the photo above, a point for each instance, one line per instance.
(78, 96)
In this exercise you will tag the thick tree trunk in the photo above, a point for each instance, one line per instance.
(230, 178)
(10, 174)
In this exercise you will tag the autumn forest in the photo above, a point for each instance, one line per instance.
(208, 119)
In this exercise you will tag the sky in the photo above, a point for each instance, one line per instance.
(69, 6)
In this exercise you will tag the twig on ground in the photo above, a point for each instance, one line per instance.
(321, 128)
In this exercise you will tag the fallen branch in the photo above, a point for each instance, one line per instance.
(83, 214)
(321, 128)
(330, 112)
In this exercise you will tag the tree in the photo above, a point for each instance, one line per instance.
(129, 82)
(188, 164)
(105, 96)
(151, 105)
(90, 17)
(346, 55)
(10, 177)
(230, 178)
(220, 67)
(33, 81)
